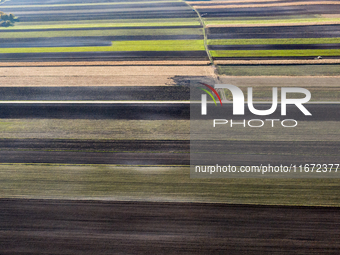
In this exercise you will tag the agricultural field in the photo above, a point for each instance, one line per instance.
(95, 129)
(130, 64)
(279, 31)
(111, 31)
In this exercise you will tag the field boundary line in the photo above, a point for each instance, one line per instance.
(204, 33)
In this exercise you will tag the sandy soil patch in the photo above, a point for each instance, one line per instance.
(330, 15)
(97, 75)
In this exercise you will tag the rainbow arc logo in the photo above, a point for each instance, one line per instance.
(208, 92)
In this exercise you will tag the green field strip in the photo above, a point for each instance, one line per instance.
(288, 70)
(274, 17)
(95, 129)
(272, 21)
(305, 131)
(166, 45)
(275, 53)
(86, 4)
(19, 26)
(274, 41)
(158, 183)
(107, 21)
(158, 130)
(118, 32)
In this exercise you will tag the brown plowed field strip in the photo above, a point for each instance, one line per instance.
(86, 227)
(277, 62)
(266, 5)
(108, 63)
(97, 75)
(232, 1)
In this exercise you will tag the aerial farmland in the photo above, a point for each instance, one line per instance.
(95, 126)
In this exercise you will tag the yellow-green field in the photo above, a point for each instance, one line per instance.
(158, 184)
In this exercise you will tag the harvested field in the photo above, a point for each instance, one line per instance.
(105, 70)
(120, 75)
(95, 129)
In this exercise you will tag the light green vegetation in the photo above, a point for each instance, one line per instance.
(166, 45)
(95, 129)
(304, 131)
(274, 41)
(275, 53)
(286, 70)
(111, 21)
(270, 17)
(22, 26)
(158, 184)
(88, 4)
(273, 22)
(117, 32)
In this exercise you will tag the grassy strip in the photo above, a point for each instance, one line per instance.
(287, 70)
(275, 53)
(305, 131)
(301, 16)
(118, 32)
(86, 4)
(274, 41)
(104, 25)
(166, 45)
(107, 21)
(159, 183)
(95, 129)
(272, 21)
(159, 130)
